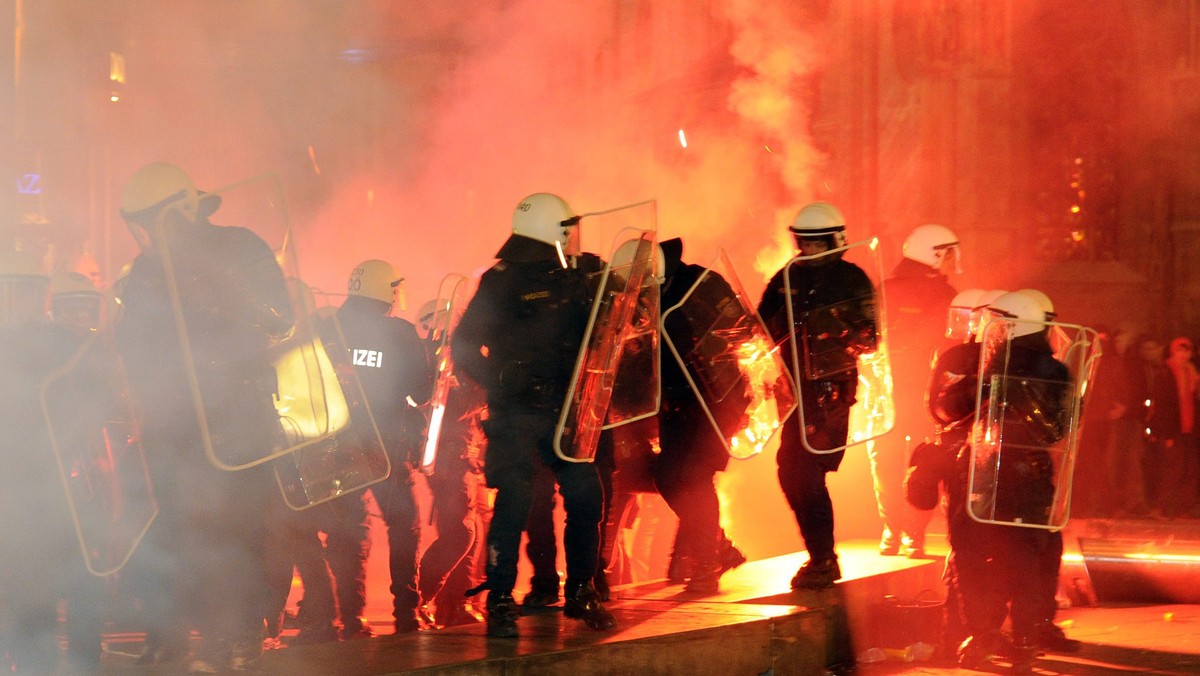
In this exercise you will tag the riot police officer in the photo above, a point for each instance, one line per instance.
(221, 284)
(41, 557)
(692, 453)
(833, 305)
(917, 295)
(519, 339)
(1005, 569)
(390, 362)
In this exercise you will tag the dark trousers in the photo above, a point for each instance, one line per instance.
(517, 444)
(542, 545)
(802, 477)
(399, 508)
(447, 560)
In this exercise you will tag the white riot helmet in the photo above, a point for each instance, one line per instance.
(75, 300)
(820, 220)
(1025, 311)
(962, 317)
(623, 257)
(1044, 301)
(434, 316)
(544, 217)
(930, 244)
(376, 279)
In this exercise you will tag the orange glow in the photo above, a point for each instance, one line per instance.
(116, 68)
(757, 361)
(312, 158)
(874, 413)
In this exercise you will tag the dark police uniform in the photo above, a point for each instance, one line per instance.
(691, 450)
(530, 315)
(826, 402)
(390, 362)
(1003, 570)
(917, 298)
(210, 532)
(41, 556)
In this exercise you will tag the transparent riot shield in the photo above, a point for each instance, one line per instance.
(610, 327)
(100, 460)
(636, 388)
(736, 371)
(336, 447)
(214, 294)
(450, 299)
(841, 339)
(1027, 429)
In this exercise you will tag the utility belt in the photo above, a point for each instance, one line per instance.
(827, 394)
(522, 387)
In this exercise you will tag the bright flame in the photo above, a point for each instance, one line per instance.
(441, 394)
(682, 139)
(873, 413)
(758, 362)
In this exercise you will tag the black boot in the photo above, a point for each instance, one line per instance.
(600, 582)
(583, 604)
(731, 556)
(705, 578)
(817, 574)
(1024, 652)
(540, 598)
(679, 569)
(502, 614)
(977, 651)
(1050, 637)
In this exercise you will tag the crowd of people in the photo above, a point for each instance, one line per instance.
(1140, 457)
(184, 374)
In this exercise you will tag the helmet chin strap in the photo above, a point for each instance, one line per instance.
(562, 257)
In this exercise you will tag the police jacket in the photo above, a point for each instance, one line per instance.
(70, 372)
(521, 333)
(690, 330)
(917, 299)
(953, 385)
(235, 305)
(390, 362)
(834, 308)
(1038, 394)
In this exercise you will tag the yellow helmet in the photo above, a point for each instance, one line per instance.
(159, 187)
(375, 278)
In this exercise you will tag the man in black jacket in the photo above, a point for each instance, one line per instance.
(833, 304)
(519, 339)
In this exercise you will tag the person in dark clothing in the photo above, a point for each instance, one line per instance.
(1160, 417)
(224, 285)
(917, 297)
(447, 562)
(833, 303)
(519, 339)
(41, 558)
(932, 468)
(1001, 568)
(691, 453)
(541, 546)
(390, 362)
